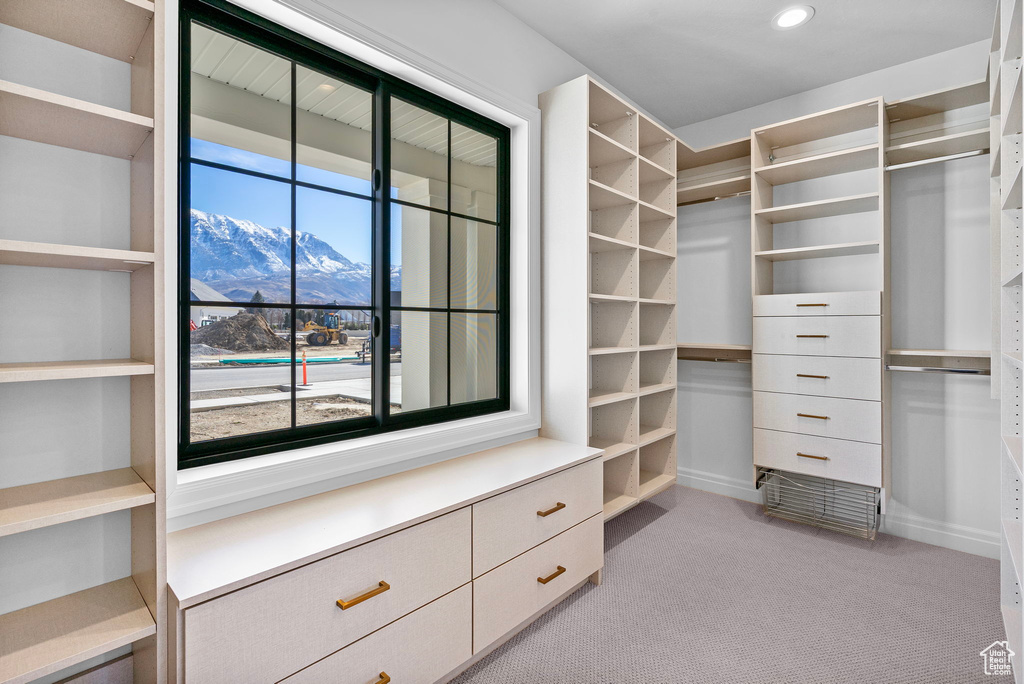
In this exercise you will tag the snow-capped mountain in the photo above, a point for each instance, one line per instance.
(237, 258)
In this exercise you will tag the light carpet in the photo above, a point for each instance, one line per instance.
(703, 588)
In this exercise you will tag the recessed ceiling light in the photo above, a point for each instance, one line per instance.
(326, 87)
(791, 17)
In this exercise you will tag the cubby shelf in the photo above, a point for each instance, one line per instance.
(1014, 279)
(649, 212)
(604, 197)
(37, 115)
(32, 506)
(603, 243)
(615, 503)
(820, 252)
(604, 150)
(940, 146)
(1014, 358)
(649, 171)
(821, 209)
(705, 190)
(72, 370)
(655, 347)
(114, 28)
(652, 483)
(1014, 532)
(18, 253)
(655, 388)
(47, 637)
(649, 253)
(820, 165)
(602, 397)
(599, 351)
(649, 434)
(820, 125)
(611, 298)
(1011, 40)
(611, 448)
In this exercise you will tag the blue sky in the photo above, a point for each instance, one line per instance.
(341, 221)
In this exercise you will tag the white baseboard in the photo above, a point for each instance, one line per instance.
(896, 522)
(718, 484)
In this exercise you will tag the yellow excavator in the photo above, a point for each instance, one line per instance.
(322, 335)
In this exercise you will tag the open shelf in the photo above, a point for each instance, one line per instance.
(847, 249)
(30, 507)
(614, 273)
(600, 397)
(602, 243)
(37, 115)
(650, 253)
(941, 146)
(657, 467)
(72, 370)
(113, 28)
(820, 209)
(1014, 280)
(612, 117)
(615, 503)
(1014, 358)
(1012, 198)
(939, 360)
(18, 253)
(614, 423)
(618, 222)
(604, 197)
(657, 146)
(604, 150)
(621, 488)
(820, 165)
(613, 324)
(821, 125)
(657, 325)
(938, 102)
(612, 378)
(650, 171)
(658, 279)
(736, 353)
(1012, 447)
(706, 190)
(47, 637)
(652, 433)
(1014, 532)
(1011, 118)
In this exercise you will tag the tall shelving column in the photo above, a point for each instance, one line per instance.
(609, 298)
(1007, 104)
(64, 632)
(821, 314)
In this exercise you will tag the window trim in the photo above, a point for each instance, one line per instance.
(269, 35)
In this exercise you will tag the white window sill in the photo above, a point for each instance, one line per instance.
(215, 491)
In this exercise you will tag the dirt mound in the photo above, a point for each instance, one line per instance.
(207, 350)
(241, 333)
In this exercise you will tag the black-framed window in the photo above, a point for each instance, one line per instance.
(344, 246)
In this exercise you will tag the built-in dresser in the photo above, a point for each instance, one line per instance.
(409, 578)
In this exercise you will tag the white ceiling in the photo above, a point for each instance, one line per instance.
(690, 60)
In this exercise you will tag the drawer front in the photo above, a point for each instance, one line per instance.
(838, 459)
(269, 630)
(837, 377)
(852, 419)
(819, 335)
(511, 593)
(420, 648)
(506, 525)
(835, 304)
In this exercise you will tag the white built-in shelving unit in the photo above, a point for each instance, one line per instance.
(610, 287)
(1006, 127)
(58, 634)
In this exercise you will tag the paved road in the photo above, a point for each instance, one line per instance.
(233, 377)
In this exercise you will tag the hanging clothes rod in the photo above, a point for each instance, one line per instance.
(948, 157)
(934, 369)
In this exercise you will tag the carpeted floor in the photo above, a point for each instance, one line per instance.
(702, 588)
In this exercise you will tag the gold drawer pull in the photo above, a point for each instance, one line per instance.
(812, 304)
(810, 415)
(384, 678)
(382, 586)
(820, 337)
(556, 573)
(817, 458)
(805, 375)
(558, 506)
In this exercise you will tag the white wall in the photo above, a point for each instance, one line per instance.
(945, 429)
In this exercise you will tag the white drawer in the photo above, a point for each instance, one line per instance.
(825, 376)
(819, 335)
(271, 629)
(835, 459)
(511, 593)
(420, 648)
(506, 525)
(823, 416)
(834, 304)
